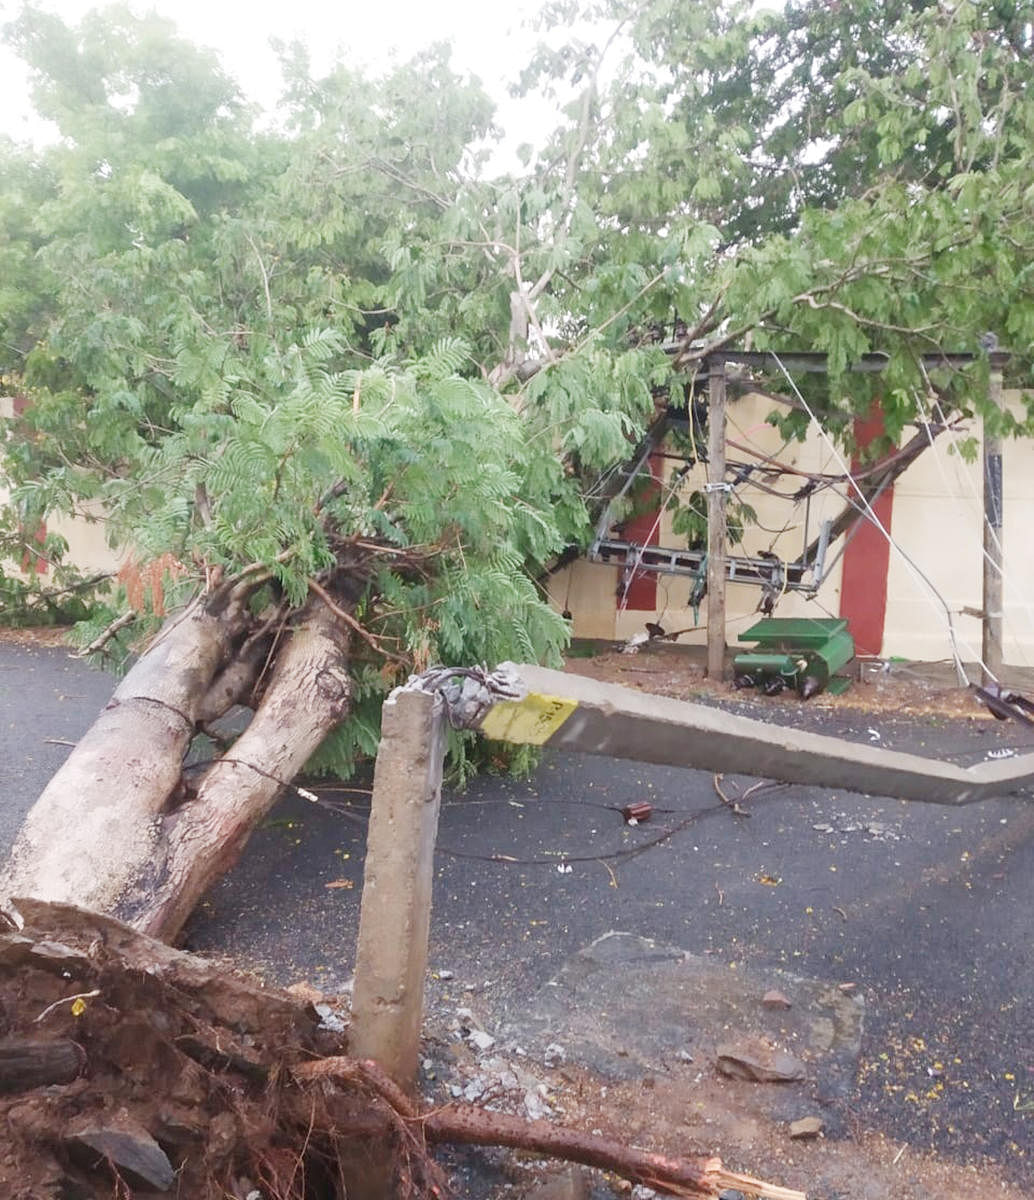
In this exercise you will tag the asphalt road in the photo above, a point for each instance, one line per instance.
(926, 909)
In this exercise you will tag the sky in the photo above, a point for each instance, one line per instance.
(488, 40)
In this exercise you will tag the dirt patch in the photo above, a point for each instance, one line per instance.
(628, 1039)
(720, 1115)
(35, 635)
(912, 689)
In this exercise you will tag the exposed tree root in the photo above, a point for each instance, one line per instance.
(127, 1068)
(467, 1124)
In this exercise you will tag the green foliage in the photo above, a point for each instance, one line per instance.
(838, 177)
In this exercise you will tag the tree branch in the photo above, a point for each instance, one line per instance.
(102, 640)
(373, 642)
(467, 1124)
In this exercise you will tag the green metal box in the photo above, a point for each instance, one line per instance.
(801, 652)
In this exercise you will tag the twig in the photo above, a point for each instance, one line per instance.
(102, 640)
(727, 800)
(58, 742)
(265, 276)
(373, 642)
(67, 1000)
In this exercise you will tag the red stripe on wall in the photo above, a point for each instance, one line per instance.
(644, 530)
(863, 587)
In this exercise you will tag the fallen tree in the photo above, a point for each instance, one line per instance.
(126, 1064)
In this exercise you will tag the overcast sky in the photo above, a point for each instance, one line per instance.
(488, 39)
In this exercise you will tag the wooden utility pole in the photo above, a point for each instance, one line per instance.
(716, 523)
(991, 642)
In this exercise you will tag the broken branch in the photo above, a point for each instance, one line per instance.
(373, 642)
(103, 638)
(468, 1124)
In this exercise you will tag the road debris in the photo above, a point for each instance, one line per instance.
(554, 1055)
(751, 1058)
(807, 1127)
(729, 801)
(775, 999)
(637, 812)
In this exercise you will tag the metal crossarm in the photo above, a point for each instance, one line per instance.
(800, 577)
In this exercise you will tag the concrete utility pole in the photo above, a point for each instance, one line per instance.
(395, 914)
(716, 523)
(991, 642)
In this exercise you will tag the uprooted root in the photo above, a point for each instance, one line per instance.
(127, 1067)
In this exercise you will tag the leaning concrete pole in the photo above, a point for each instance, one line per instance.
(991, 641)
(395, 913)
(716, 519)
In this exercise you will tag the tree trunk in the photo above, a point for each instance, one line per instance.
(309, 694)
(97, 824)
(106, 833)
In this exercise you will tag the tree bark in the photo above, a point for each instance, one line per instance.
(109, 834)
(93, 831)
(309, 693)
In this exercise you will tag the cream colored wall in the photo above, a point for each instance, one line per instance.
(938, 521)
(87, 547)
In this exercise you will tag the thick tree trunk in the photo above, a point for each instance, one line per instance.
(108, 832)
(309, 694)
(96, 826)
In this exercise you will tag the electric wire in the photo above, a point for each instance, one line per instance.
(978, 504)
(872, 517)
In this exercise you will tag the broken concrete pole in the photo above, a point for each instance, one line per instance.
(395, 915)
(571, 712)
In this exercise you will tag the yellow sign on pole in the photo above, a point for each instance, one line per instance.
(528, 722)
